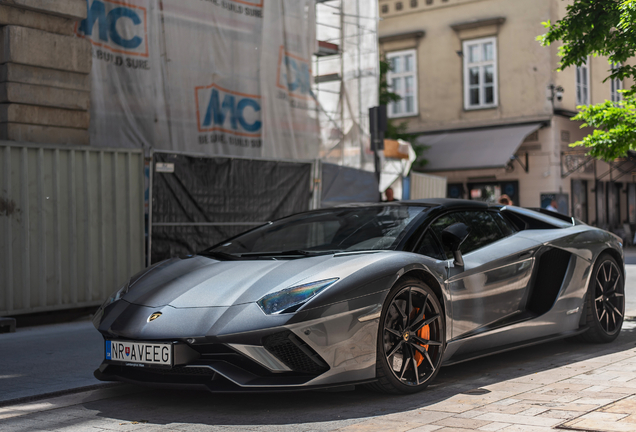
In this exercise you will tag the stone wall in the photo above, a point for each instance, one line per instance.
(44, 72)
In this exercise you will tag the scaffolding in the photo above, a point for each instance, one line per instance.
(346, 75)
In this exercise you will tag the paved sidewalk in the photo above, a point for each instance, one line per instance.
(45, 359)
(562, 384)
(630, 254)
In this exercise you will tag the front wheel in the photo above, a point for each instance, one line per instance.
(411, 338)
(605, 301)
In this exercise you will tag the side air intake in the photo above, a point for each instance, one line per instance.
(294, 353)
(551, 268)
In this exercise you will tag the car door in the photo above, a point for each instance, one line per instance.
(491, 287)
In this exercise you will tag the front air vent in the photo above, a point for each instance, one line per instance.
(295, 353)
(183, 370)
(549, 275)
(212, 349)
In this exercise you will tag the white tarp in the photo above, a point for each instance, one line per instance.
(395, 169)
(222, 77)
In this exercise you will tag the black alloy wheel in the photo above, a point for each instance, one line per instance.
(605, 301)
(411, 338)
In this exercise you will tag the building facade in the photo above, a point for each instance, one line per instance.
(487, 99)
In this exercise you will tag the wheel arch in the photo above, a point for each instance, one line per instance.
(429, 280)
(593, 333)
(617, 256)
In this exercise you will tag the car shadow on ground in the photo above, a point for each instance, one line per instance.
(285, 409)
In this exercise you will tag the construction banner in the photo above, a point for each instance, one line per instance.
(219, 77)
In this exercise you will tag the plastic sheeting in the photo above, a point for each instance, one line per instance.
(205, 200)
(395, 169)
(222, 77)
(341, 185)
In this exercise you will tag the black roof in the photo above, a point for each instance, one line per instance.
(449, 203)
(442, 203)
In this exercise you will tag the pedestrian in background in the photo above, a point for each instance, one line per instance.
(505, 200)
(389, 195)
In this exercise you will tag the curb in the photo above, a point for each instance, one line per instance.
(36, 398)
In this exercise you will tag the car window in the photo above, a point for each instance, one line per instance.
(325, 231)
(483, 230)
(438, 226)
(506, 227)
(429, 246)
(301, 236)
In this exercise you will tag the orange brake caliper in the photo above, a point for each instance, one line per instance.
(423, 333)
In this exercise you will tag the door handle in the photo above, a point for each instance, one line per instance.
(525, 254)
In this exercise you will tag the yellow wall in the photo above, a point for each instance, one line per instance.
(525, 70)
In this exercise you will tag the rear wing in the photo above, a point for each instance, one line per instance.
(526, 218)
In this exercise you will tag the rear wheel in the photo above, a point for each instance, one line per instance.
(411, 339)
(605, 301)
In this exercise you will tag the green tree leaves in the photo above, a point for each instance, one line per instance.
(601, 28)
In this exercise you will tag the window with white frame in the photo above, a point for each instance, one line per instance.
(583, 84)
(480, 73)
(402, 80)
(616, 85)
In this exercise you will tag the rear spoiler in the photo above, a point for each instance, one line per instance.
(564, 218)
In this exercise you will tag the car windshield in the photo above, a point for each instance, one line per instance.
(322, 232)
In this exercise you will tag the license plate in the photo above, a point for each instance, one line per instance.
(139, 353)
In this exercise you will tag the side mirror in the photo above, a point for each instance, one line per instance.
(453, 236)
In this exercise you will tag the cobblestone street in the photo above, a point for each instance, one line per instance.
(533, 389)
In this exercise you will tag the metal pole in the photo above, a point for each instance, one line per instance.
(359, 54)
(376, 164)
(317, 65)
(595, 193)
(342, 81)
(375, 140)
(151, 173)
(317, 198)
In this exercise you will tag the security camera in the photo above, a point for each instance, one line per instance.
(556, 92)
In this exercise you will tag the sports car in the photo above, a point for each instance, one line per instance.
(382, 295)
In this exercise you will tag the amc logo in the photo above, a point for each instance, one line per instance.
(116, 26)
(293, 74)
(227, 111)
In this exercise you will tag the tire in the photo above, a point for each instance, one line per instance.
(419, 338)
(604, 301)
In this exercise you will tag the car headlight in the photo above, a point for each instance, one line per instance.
(290, 299)
(117, 295)
(97, 318)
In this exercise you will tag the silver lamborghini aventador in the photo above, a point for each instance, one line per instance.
(382, 295)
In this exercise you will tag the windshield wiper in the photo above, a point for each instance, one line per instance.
(292, 252)
(217, 255)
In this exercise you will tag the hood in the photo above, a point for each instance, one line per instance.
(204, 282)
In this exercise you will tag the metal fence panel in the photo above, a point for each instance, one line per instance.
(199, 200)
(427, 186)
(342, 185)
(71, 225)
